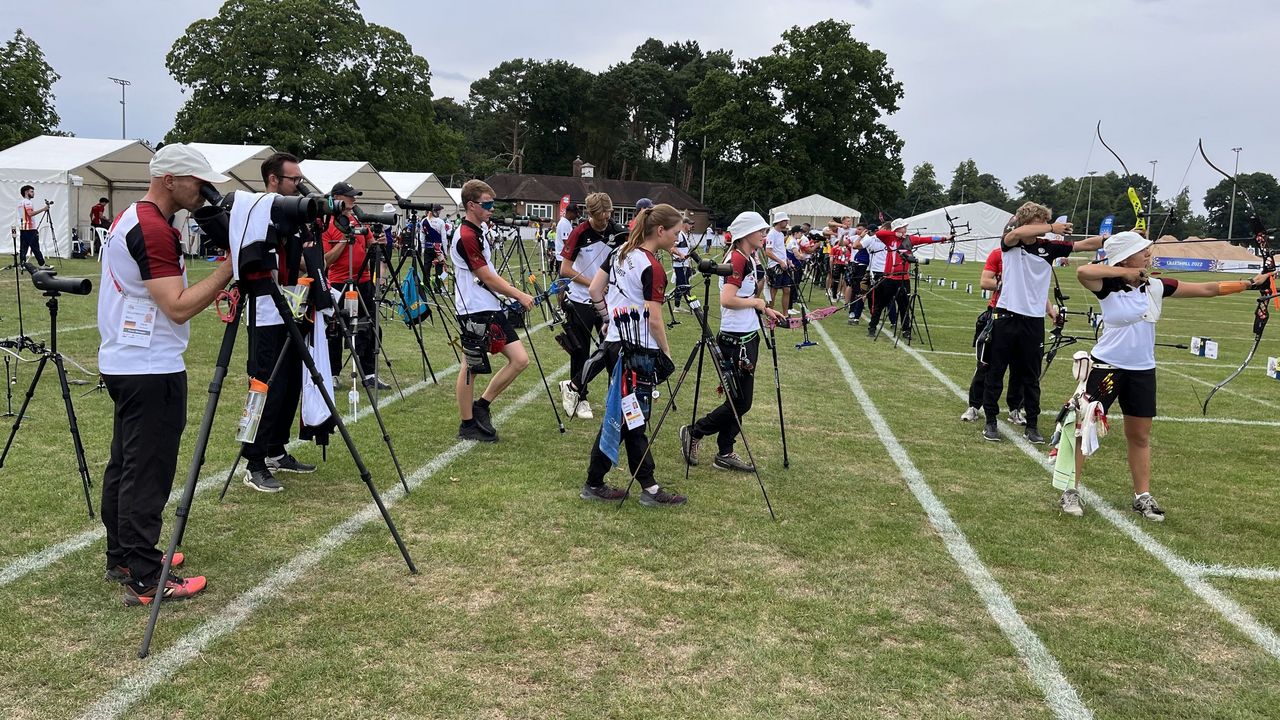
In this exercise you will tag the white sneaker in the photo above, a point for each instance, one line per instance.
(568, 398)
(584, 410)
(970, 415)
(793, 311)
(1070, 503)
(1018, 417)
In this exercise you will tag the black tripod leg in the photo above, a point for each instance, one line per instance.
(81, 465)
(296, 336)
(22, 411)
(373, 400)
(193, 472)
(777, 385)
(232, 473)
(529, 338)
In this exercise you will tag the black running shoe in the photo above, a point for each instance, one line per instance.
(262, 481)
(474, 432)
(1146, 506)
(374, 383)
(289, 463)
(689, 445)
(661, 498)
(602, 493)
(732, 461)
(483, 421)
(1033, 434)
(991, 432)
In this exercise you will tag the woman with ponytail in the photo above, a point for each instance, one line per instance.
(628, 292)
(739, 341)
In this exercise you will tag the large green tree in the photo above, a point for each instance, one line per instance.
(311, 77)
(924, 192)
(1261, 187)
(26, 92)
(968, 184)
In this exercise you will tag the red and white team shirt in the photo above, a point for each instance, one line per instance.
(26, 215)
(633, 280)
(141, 246)
(468, 253)
(747, 282)
(586, 250)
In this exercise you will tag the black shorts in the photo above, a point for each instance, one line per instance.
(1136, 390)
(837, 270)
(494, 317)
(778, 278)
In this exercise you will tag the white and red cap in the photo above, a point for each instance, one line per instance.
(182, 160)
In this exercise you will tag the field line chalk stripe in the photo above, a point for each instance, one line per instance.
(159, 668)
(1043, 668)
(1189, 573)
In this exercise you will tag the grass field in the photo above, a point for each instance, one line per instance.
(914, 570)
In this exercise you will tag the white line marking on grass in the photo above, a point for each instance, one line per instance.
(73, 328)
(931, 291)
(1218, 421)
(1041, 665)
(1226, 390)
(1248, 573)
(1188, 572)
(160, 668)
(1161, 363)
(43, 558)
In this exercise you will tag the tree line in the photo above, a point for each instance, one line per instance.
(315, 78)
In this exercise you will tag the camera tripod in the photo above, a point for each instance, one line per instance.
(260, 287)
(410, 253)
(914, 302)
(706, 345)
(45, 356)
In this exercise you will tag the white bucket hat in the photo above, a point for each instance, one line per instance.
(1123, 245)
(747, 223)
(899, 224)
(777, 217)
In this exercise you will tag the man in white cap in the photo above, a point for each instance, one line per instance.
(144, 304)
(778, 267)
(1123, 361)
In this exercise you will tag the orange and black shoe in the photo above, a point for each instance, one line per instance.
(120, 573)
(176, 588)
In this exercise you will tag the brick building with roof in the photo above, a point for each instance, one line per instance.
(538, 196)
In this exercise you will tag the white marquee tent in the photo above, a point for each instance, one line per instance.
(324, 174)
(421, 188)
(73, 173)
(815, 210)
(985, 221)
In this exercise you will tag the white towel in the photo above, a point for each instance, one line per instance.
(314, 409)
(250, 218)
(1093, 427)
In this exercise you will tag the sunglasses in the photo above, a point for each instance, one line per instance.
(487, 205)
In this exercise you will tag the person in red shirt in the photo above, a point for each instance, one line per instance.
(895, 287)
(346, 247)
(98, 214)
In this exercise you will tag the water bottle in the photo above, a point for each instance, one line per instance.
(353, 397)
(351, 302)
(247, 429)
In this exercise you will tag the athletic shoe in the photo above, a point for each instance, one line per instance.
(121, 574)
(175, 588)
(1146, 506)
(793, 311)
(584, 410)
(689, 445)
(46, 267)
(1070, 503)
(568, 398)
(481, 416)
(602, 493)
(661, 498)
(262, 481)
(991, 432)
(1033, 434)
(374, 383)
(871, 331)
(1017, 416)
(893, 328)
(732, 461)
(475, 432)
(970, 415)
(290, 464)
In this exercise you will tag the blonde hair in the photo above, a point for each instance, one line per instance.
(1031, 212)
(599, 203)
(472, 191)
(647, 222)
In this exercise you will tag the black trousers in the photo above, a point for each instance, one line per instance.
(722, 421)
(635, 442)
(30, 240)
(894, 295)
(856, 273)
(150, 414)
(366, 348)
(979, 382)
(281, 408)
(1017, 345)
(581, 320)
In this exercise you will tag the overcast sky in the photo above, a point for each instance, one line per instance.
(1017, 85)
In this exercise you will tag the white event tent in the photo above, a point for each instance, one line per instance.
(243, 163)
(815, 210)
(418, 187)
(73, 173)
(324, 174)
(985, 221)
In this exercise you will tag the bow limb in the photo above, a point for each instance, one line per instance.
(1140, 217)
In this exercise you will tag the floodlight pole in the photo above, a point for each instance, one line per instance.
(122, 84)
(1151, 192)
(1231, 220)
(702, 188)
